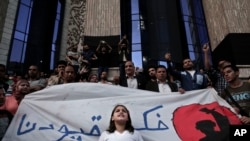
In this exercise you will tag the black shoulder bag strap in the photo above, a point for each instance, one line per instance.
(242, 111)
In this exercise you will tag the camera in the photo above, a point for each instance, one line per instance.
(103, 42)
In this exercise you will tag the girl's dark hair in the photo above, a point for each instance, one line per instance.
(128, 126)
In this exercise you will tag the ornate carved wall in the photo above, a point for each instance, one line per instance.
(76, 23)
(89, 18)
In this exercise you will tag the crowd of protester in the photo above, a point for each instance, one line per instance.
(77, 68)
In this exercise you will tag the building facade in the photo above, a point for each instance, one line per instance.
(40, 32)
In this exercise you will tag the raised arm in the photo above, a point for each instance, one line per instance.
(98, 47)
(206, 56)
(122, 42)
(109, 47)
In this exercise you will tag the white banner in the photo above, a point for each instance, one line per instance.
(81, 112)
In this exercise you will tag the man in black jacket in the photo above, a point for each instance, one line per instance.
(131, 79)
(161, 84)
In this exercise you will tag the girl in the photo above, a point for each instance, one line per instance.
(120, 127)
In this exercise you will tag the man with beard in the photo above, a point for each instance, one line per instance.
(151, 73)
(104, 79)
(190, 78)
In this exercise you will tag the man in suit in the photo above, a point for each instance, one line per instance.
(161, 84)
(131, 79)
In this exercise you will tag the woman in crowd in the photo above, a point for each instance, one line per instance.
(21, 88)
(120, 127)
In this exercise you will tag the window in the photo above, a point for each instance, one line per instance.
(20, 50)
(195, 26)
(55, 36)
(136, 34)
(21, 32)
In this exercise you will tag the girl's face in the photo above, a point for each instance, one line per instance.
(120, 114)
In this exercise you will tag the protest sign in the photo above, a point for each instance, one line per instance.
(81, 112)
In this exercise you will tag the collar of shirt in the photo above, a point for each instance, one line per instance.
(131, 77)
(160, 82)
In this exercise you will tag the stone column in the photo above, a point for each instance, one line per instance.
(226, 16)
(7, 18)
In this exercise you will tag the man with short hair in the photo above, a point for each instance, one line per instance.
(131, 79)
(69, 75)
(162, 84)
(36, 82)
(151, 73)
(104, 78)
(239, 90)
(191, 79)
(58, 77)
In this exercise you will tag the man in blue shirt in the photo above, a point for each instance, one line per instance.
(190, 78)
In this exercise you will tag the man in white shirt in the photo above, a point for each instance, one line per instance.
(161, 84)
(131, 79)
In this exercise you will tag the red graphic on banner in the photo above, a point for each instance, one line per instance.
(208, 122)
